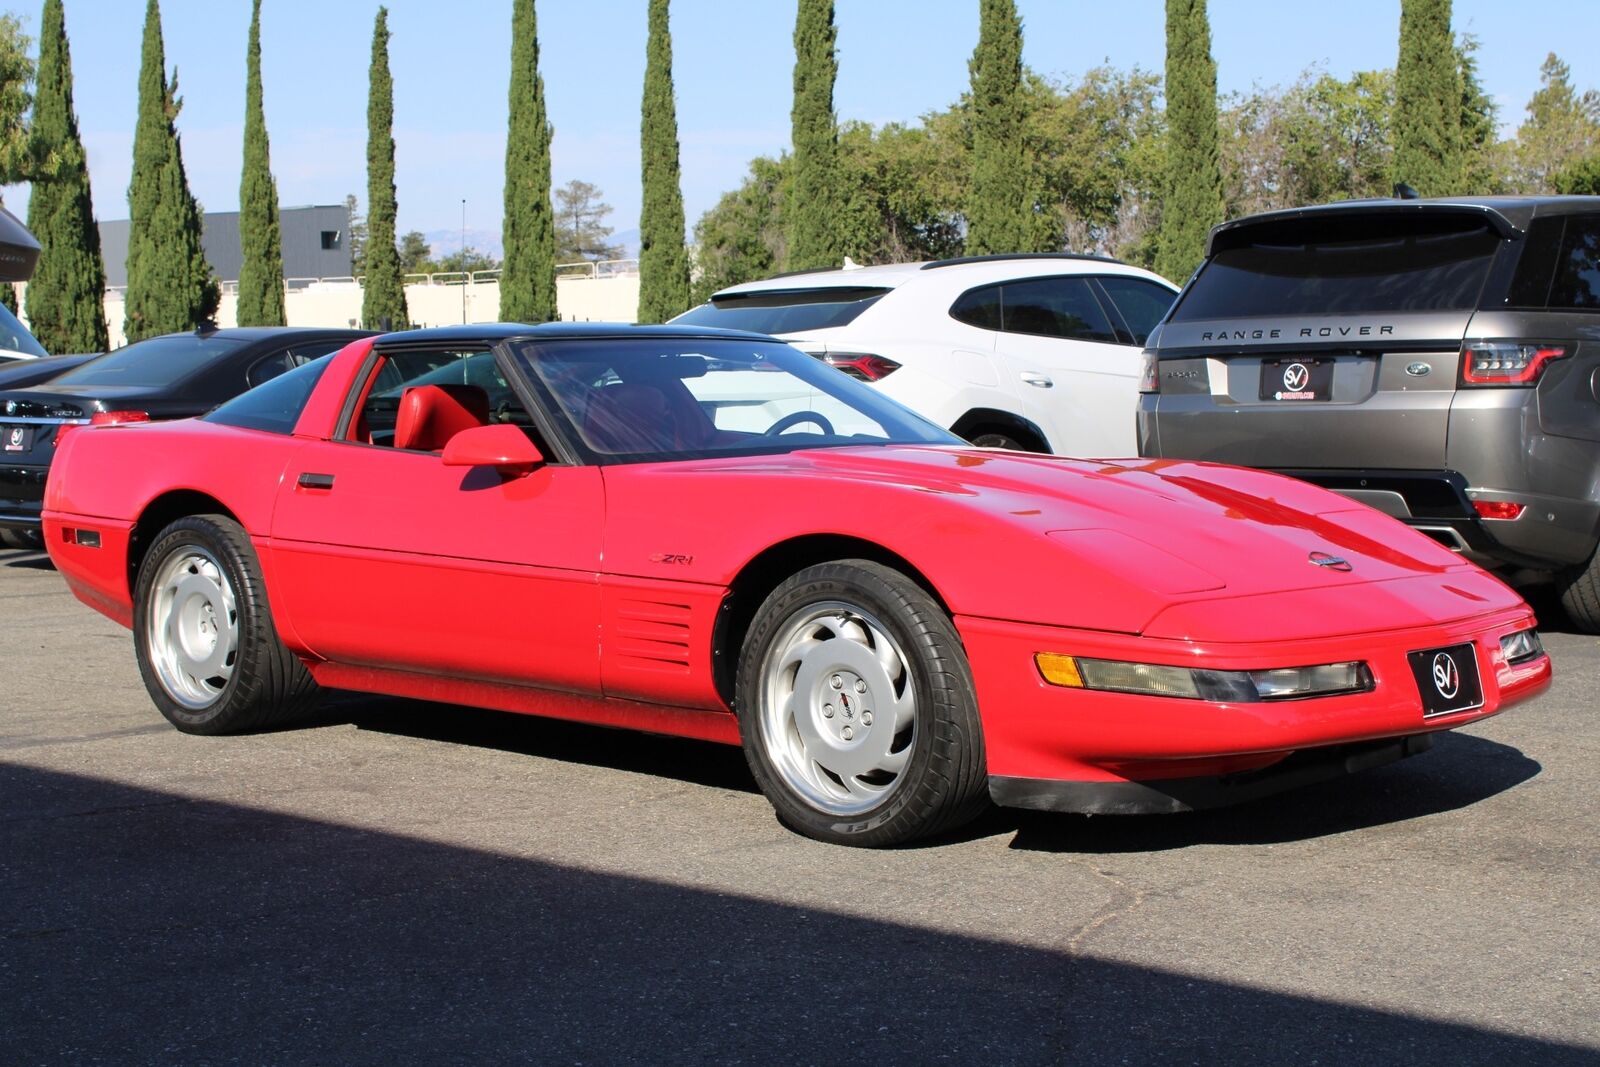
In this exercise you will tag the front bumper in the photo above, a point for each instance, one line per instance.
(1037, 733)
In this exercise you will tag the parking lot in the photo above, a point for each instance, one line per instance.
(417, 883)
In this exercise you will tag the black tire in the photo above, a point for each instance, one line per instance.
(267, 685)
(1000, 440)
(1580, 594)
(27, 540)
(943, 783)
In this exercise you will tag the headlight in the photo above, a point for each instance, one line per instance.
(1153, 679)
(1521, 646)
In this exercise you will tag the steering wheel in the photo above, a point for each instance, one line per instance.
(795, 418)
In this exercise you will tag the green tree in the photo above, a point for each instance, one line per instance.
(1581, 178)
(8, 299)
(170, 287)
(66, 294)
(17, 160)
(742, 237)
(383, 300)
(1428, 99)
(1483, 162)
(1000, 202)
(1562, 127)
(1193, 201)
(415, 252)
(528, 279)
(580, 227)
(358, 233)
(663, 259)
(261, 244)
(812, 238)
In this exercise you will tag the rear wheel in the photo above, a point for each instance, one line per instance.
(207, 648)
(857, 709)
(1580, 594)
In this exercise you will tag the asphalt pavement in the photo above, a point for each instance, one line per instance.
(410, 883)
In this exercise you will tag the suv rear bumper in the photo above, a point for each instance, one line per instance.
(1551, 532)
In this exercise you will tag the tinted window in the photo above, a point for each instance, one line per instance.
(1054, 307)
(978, 307)
(267, 369)
(783, 311)
(1142, 303)
(1577, 277)
(15, 336)
(158, 361)
(1354, 264)
(666, 397)
(275, 406)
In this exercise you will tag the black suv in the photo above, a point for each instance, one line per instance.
(1436, 359)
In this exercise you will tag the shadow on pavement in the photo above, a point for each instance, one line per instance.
(26, 559)
(1459, 771)
(143, 927)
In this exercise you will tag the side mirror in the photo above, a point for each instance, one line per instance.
(505, 448)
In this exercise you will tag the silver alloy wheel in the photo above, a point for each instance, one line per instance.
(192, 627)
(838, 712)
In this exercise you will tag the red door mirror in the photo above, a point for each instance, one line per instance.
(505, 448)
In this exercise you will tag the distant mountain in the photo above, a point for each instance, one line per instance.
(448, 242)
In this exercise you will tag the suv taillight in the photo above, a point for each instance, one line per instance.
(1506, 362)
(1150, 374)
(860, 365)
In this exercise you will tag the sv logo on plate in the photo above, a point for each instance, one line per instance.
(1295, 377)
(1446, 675)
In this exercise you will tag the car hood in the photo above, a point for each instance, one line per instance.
(1110, 544)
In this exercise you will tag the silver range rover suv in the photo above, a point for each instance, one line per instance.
(1438, 360)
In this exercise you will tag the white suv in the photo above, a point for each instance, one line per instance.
(1035, 352)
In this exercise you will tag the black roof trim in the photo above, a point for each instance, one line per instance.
(1225, 235)
(1002, 257)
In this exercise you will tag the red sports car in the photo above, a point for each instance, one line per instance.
(710, 534)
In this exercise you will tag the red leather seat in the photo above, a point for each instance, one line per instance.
(432, 414)
(629, 418)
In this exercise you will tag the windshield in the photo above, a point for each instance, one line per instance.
(668, 397)
(1333, 266)
(158, 361)
(14, 337)
(783, 311)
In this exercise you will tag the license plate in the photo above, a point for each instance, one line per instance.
(1296, 380)
(15, 438)
(1448, 679)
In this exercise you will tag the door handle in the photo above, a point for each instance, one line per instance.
(316, 481)
(1035, 378)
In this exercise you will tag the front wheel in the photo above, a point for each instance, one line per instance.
(857, 708)
(207, 648)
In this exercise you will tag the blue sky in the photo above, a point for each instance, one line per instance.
(897, 60)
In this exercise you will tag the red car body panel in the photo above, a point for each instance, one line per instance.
(594, 593)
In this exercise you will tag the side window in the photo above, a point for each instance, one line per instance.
(276, 406)
(1577, 279)
(978, 307)
(1142, 303)
(264, 370)
(470, 386)
(310, 350)
(1055, 307)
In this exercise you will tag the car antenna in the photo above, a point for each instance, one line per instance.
(1402, 191)
(206, 326)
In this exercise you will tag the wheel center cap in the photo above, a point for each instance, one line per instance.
(843, 703)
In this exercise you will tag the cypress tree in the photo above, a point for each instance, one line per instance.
(383, 300)
(66, 295)
(170, 287)
(663, 259)
(528, 274)
(1193, 200)
(815, 200)
(8, 299)
(999, 203)
(261, 270)
(1427, 106)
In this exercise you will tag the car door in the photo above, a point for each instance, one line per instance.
(387, 558)
(1077, 378)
